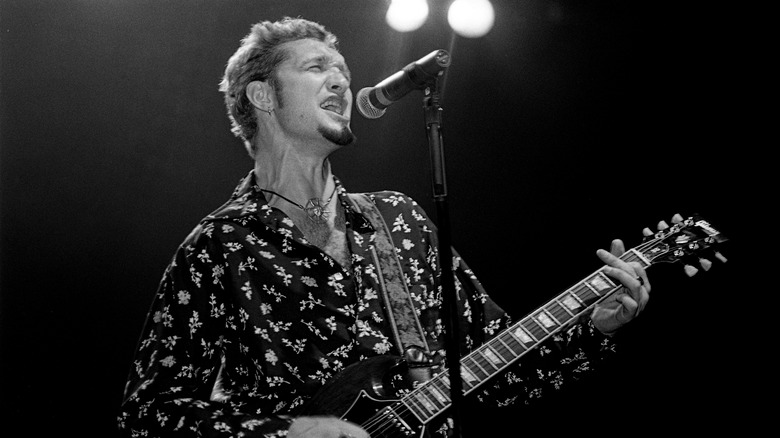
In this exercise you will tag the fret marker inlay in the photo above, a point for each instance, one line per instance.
(523, 336)
(491, 356)
(545, 320)
(439, 396)
(466, 375)
(571, 302)
(425, 402)
(599, 283)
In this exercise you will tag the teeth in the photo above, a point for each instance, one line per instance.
(332, 106)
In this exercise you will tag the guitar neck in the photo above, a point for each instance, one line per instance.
(431, 398)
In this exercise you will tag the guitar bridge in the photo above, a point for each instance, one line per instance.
(392, 419)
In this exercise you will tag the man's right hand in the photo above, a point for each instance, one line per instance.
(324, 427)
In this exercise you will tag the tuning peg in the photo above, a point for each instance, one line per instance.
(690, 270)
(720, 257)
(677, 218)
(706, 264)
(647, 232)
(662, 225)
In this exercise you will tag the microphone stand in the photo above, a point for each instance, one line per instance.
(433, 121)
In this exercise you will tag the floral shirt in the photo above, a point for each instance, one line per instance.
(250, 320)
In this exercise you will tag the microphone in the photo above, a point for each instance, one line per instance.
(372, 101)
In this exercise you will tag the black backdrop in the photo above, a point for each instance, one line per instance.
(570, 124)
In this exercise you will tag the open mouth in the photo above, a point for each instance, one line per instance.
(334, 104)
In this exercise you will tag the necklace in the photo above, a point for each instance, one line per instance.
(315, 208)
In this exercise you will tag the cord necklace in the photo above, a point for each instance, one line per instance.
(315, 208)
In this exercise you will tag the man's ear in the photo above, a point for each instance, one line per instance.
(259, 93)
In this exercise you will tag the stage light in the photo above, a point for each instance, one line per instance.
(407, 15)
(471, 18)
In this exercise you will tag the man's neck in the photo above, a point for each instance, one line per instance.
(292, 174)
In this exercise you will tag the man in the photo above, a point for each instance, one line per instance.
(284, 286)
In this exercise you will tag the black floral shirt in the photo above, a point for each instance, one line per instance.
(250, 320)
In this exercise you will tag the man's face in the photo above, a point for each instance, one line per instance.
(315, 100)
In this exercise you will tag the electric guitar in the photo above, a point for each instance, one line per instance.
(365, 393)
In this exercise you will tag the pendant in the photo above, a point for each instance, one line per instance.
(316, 211)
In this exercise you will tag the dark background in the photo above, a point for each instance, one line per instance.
(570, 124)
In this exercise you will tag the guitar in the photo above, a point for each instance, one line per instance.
(366, 392)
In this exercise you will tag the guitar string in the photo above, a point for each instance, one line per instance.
(425, 387)
(405, 413)
(388, 429)
(379, 421)
(373, 428)
(385, 423)
(421, 389)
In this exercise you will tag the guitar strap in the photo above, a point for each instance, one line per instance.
(407, 329)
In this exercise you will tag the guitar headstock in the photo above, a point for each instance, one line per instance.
(692, 239)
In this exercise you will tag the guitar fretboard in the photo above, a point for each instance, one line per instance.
(432, 397)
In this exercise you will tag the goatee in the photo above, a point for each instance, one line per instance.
(341, 137)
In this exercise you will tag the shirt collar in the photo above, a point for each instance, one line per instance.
(248, 201)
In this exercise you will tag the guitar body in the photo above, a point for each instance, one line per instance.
(362, 392)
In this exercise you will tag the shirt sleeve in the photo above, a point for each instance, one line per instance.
(173, 388)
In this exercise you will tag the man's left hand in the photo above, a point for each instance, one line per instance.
(629, 301)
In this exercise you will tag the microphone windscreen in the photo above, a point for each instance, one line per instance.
(365, 107)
